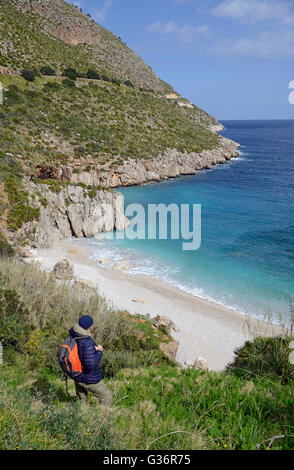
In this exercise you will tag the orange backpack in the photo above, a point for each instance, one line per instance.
(69, 358)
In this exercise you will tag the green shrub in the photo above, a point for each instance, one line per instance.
(13, 96)
(69, 83)
(21, 214)
(114, 361)
(264, 357)
(6, 250)
(13, 88)
(8, 165)
(129, 83)
(14, 324)
(55, 185)
(92, 74)
(105, 78)
(53, 85)
(127, 343)
(14, 189)
(70, 73)
(46, 70)
(28, 75)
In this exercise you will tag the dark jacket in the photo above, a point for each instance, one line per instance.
(89, 357)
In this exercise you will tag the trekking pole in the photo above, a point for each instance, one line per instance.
(66, 384)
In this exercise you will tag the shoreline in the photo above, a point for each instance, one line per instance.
(206, 329)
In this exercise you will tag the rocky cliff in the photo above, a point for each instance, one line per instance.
(73, 211)
(169, 165)
(56, 33)
(64, 140)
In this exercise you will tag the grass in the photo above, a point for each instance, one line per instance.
(157, 404)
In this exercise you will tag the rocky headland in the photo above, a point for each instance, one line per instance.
(171, 164)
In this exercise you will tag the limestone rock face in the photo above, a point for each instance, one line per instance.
(74, 211)
(63, 270)
(169, 165)
(170, 349)
(166, 322)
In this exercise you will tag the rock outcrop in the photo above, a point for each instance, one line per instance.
(64, 270)
(75, 206)
(162, 321)
(169, 165)
(170, 349)
(197, 364)
(73, 211)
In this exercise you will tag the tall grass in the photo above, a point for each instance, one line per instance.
(157, 404)
(59, 305)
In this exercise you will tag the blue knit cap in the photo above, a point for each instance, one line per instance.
(86, 321)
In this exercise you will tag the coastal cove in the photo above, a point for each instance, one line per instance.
(146, 228)
(209, 325)
(246, 260)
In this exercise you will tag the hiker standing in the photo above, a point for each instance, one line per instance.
(90, 379)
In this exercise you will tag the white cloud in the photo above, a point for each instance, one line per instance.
(101, 15)
(267, 45)
(274, 42)
(256, 10)
(186, 33)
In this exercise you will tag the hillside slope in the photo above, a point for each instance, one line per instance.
(108, 122)
(54, 33)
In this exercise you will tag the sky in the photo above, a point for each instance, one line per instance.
(232, 58)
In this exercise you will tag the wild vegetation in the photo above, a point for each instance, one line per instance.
(54, 121)
(53, 33)
(75, 94)
(45, 122)
(157, 404)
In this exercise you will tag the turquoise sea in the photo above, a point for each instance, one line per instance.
(246, 259)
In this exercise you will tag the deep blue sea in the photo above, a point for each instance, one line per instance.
(246, 259)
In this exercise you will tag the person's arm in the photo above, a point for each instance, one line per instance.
(91, 356)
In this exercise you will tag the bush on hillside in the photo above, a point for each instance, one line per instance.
(46, 70)
(129, 83)
(52, 85)
(70, 73)
(264, 357)
(105, 78)
(13, 88)
(68, 83)
(28, 75)
(92, 74)
(114, 361)
(14, 324)
(13, 96)
(6, 250)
